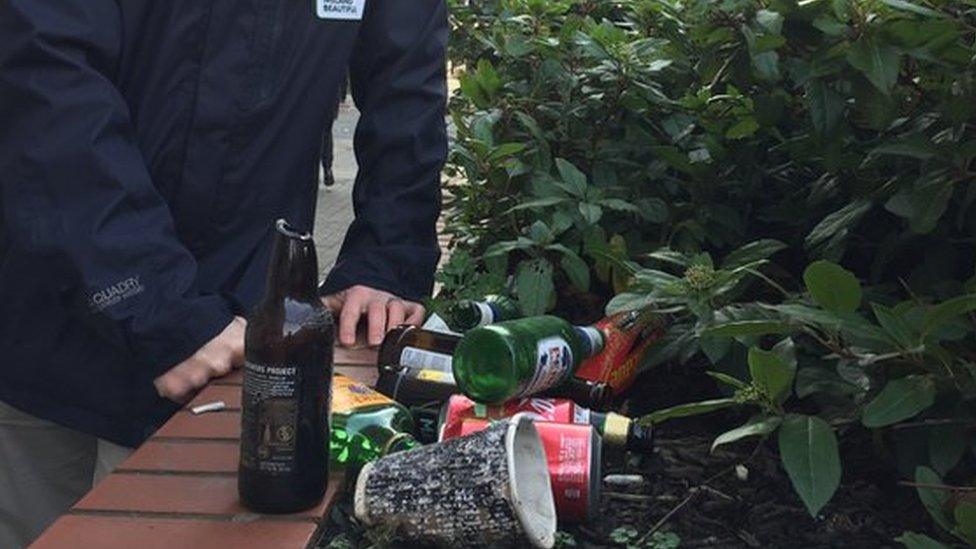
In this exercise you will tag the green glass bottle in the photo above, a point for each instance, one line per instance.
(468, 314)
(520, 358)
(366, 425)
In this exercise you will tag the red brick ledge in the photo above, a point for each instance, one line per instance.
(179, 489)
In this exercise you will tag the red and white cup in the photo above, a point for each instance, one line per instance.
(573, 454)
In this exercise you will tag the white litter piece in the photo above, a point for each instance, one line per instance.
(208, 407)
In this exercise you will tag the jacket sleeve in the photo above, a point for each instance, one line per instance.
(398, 77)
(76, 196)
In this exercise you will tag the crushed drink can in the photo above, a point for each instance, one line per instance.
(573, 455)
(627, 337)
(557, 410)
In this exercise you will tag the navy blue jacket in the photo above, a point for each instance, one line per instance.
(146, 146)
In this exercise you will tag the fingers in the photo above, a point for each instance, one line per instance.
(180, 383)
(216, 358)
(415, 313)
(376, 314)
(237, 343)
(396, 313)
(333, 302)
(352, 310)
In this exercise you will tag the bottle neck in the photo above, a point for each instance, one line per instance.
(400, 442)
(591, 339)
(470, 314)
(624, 432)
(293, 270)
(592, 394)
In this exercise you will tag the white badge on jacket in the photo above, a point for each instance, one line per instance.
(345, 10)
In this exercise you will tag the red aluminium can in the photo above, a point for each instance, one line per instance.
(556, 410)
(573, 453)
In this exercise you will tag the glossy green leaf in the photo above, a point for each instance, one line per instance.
(590, 212)
(771, 374)
(808, 449)
(895, 326)
(742, 128)
(933, 499)
(753, 251)
(909, 6)
(900, 399)
(572, 177)
(757, 426)
(539, 203)
(577, 270)
(965, 515)
(947, 311)
(691, 409)
(844, 219)
(833, 287)
(826, 106)
(947, 444)
(914, 540)
(879, 62)
(728, 380)
(534, 286)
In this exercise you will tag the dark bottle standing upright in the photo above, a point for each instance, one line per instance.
(287, 380)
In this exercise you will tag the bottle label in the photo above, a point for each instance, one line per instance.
(423, 358)
(437, 376)
(554, 361)
(349, 395)
(269, 417)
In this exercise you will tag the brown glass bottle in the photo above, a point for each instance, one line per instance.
(287, 379)
(418, 348)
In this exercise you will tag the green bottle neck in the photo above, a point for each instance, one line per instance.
(400, 442)
(591, 339)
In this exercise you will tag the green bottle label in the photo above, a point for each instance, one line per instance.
(554, 361)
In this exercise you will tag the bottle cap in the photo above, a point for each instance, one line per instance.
(615, 429)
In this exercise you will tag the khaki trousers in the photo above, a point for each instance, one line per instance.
(44, 469)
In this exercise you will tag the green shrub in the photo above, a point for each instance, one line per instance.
(614, 148)
(841, 128)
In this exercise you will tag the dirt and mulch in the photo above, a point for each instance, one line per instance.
(736, 496)
(739, 495)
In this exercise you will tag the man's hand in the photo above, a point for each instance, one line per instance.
(217, 358)
(383, 311)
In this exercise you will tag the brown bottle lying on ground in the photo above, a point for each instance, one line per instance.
(287, 376)
(412, 346)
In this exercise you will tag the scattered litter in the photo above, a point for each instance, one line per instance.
(208, 407)
(624, 481)
(487, 489)
(742, 472)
